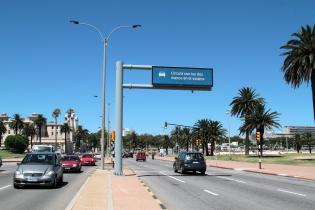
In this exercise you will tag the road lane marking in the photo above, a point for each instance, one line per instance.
(227, 178)
(172, 177)
(2, 188)
(294, 193)
(212, 193)
(282, 174)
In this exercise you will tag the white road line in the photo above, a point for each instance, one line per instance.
(282, 174)
(294, 193)
(172, 177)
(236, 180)
(212, 193)
(2, 188)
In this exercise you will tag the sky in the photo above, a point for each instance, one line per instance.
(47, 63)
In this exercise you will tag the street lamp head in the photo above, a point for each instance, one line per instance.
(74, 22)
(136, 26)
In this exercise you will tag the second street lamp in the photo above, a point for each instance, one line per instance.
(104, 40)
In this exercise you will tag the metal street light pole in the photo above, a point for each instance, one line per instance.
(104, 40)
(228, 112)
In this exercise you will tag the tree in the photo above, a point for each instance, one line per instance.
(80, 135)
(308, 139)
(16, 143)
(93, 140)
(215, 132)
(39, 122)
(299, 64)
(261, 120)
(243, 106)
(176, 136)
(29, 131)
(187, 136)
(167, 143)
(297, 142)
(202, 127)
(55, 115)
(17, 123)
(65, 128)
(2, 131)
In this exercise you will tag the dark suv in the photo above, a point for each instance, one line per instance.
(190, 161)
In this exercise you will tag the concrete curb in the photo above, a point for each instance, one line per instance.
(75, 198)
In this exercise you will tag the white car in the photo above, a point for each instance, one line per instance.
(97, 156)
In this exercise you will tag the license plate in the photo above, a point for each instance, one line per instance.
(32, 179)
(195, 162)
(86, 162)
(67, 168)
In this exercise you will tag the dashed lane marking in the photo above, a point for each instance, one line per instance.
(212, 193)
(172, 177)
(235, 180)
(294, 193)
(2, 188)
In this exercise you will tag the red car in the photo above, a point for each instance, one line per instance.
(88, 159)
(141, 156)
(71, 163)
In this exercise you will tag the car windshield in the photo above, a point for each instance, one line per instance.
(194, 156)
(87, 156)
(42, 149)
(44, 159)
(65, 158)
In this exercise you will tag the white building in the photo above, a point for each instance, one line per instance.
(47, 131)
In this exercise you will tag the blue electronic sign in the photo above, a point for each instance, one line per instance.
(182, 78)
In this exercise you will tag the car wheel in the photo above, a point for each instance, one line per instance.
(194, 172)
(182, 170)
(16, 186)
(55, 183)
(203, 172)
(61, 180)
(175, 170)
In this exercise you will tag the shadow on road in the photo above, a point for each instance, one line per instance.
(42, 187)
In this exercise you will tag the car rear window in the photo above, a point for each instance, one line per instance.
(194, 156)
(70, 158)
(87, 156)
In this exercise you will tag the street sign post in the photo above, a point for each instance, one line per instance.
(182, 78)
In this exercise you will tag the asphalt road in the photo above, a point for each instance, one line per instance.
(39, 198)
(223, 189)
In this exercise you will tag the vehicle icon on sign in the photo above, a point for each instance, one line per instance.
(162, 74)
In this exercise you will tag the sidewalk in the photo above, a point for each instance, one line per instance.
(305, 172)
(103, 190)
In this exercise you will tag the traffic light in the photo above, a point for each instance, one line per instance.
(113, 135)
(165, 124)
(258, 136)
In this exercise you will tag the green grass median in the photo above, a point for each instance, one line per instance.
(8, 154)
(289, 159)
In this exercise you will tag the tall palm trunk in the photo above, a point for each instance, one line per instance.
(246, 143)
(31, 141)
(66, 142)
(40, 134)
(187, 145)
(212, 148)
(313, 91)
(207, 149)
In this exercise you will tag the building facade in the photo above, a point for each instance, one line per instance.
(47, 130)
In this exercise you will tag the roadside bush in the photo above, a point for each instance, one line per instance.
(16, 143)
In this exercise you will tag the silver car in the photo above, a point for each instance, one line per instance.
(41, 169)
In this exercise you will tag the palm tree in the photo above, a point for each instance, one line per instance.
(216, 132)
(29, 131)
(65, 128)
(39, 122)
(16, 123)
(243, 106)
(55, 115)
(187, 137)
(2, 131)
(299, 63)
(202, 127)
(80, 134)
(176, 134)
(261, 120)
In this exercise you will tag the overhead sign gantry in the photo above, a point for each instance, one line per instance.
(163, 77)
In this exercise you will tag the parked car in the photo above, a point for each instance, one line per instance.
(88, 159)
(71, 163)
(0, 161)
(41, 169)
(141, 156)
(97, 156)
(190, 161)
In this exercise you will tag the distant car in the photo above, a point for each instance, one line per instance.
(141, 156)
(97, 156)
(88, 159)
(41, 169)
(190, 161)
(128, 155)
(43, 148)
(0, 161)
(71, 163)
